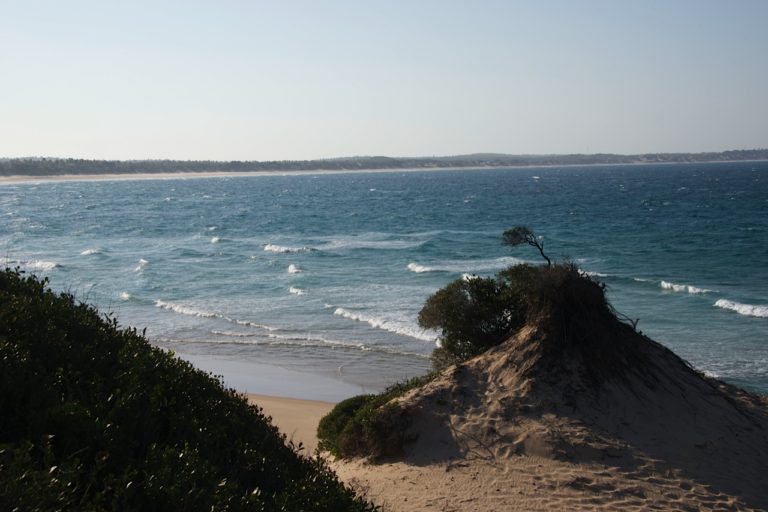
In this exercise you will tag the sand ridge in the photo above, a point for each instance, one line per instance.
(519, 429)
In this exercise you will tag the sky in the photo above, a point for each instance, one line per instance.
(289, 80)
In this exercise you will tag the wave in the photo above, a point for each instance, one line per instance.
(459, 266)
(590, 273)
(295, 291)
(248, 323)
(363, 243)
(32, 264)
(284, 249)
(234, 334)
(293, 269)
(88, 252)
(694, 290)
(469, 277)
(201, 313)
(743, 309)
(278, 340)
(125, 296)
(387, 325)
(140, 267)
(215, 240)
(415, 267)
(186, 310)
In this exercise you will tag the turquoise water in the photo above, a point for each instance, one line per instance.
(325, 274)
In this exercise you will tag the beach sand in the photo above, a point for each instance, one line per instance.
(297, 419)
(490, 482)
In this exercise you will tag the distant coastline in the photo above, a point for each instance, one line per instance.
(23, 169)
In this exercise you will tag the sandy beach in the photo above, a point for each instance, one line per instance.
(492, 481)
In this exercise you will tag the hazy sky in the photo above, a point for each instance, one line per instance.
(295, 80)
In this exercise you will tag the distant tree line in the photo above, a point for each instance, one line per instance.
(60, 166)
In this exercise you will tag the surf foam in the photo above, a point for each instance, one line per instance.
(759, 311)
(415, 267)
(293, 269)
(295, 291)
(185, 310)
(387, 325)
(466, 266)
(284, 249)
(694, 290)
(33, 264)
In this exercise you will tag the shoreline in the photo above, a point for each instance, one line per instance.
(26, 179)
(296, 418)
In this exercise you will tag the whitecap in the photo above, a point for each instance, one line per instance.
(760, 311)
(185, 310)
(283, 249)
(466, 266)
(41, 265)
(387, 325)
(248, 323)
(590, 273)
(295, 291)
(415, 267)
(88, 252)
(469, 277)
(215, 240)
(125, 296)
(142, 263)
(694, 290)
(293, 269)
(234, 334)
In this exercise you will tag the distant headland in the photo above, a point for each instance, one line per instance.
(51, 167)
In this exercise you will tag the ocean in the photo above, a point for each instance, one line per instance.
(319, 278)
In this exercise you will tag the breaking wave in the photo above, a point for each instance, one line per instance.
(684, 288)
(201, 313)
(32, 264)
(284, 249)
(186, 310)
(293, 269)
(459, 266)
(387, 325)
(310, 341)
(295, 291)
(88, 252)
(142, 263)
(215, 240)
(125, 296)
(743, 309)
(415, 267)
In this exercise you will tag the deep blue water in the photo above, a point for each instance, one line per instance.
(325, 274)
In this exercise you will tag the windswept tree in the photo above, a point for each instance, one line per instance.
(522, 235)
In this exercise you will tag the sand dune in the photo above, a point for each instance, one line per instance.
(561, 417)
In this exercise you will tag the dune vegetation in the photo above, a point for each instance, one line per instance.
(92, 417)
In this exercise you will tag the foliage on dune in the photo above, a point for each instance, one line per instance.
(92, 417)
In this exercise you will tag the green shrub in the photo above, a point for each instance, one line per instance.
(477, 314)
(92, 417)
(472, 316)
(365, 425)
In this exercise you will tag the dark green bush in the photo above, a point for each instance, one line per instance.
(92, 417)
(477, 314)
(472, 316)
(365, 425)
